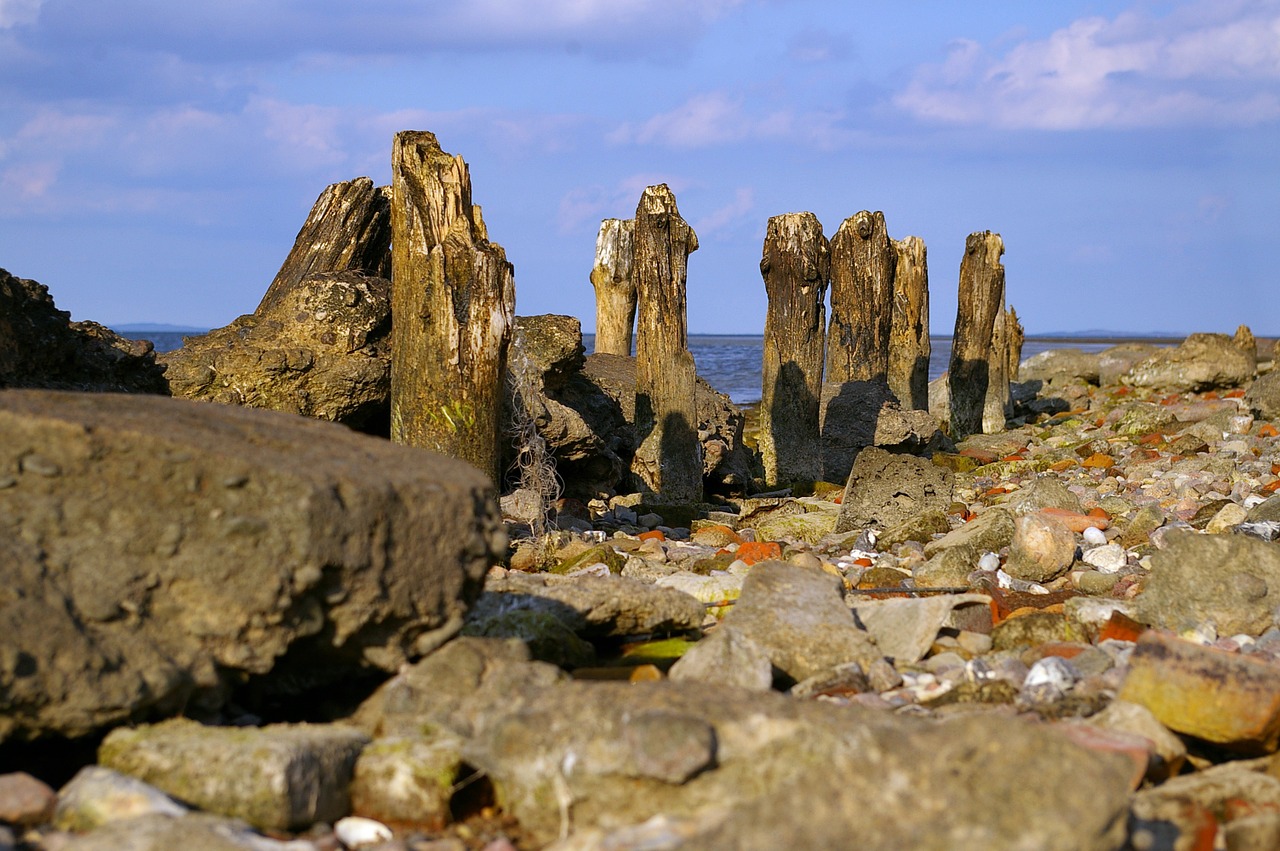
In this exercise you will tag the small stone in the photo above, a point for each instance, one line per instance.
(1042, 549)
(355, 832)
(24, 800)
(1228, 516)
(98, 796)
(1095, 583)
(726, 657)
(1109, 558)
(1094, 536)
(1168, 752)
(1048, 680)
(649, 520)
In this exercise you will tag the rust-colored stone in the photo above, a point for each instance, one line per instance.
(1212, 694)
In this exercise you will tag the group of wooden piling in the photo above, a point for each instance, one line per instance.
(453, 317)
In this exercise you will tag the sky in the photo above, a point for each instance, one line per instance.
(157, 158)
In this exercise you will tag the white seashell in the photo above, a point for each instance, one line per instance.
(989, 562)
(1095, 536)
(356, 832)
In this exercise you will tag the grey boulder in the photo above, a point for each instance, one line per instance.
(161, 552)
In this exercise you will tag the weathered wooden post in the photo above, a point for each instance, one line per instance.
(615, 286)
(452, 308)
(909, 346)
(1017, 336)
(996, 405)
(796, 266)
(981, 297)
(348, 229)
(669, 459)
(863, 261)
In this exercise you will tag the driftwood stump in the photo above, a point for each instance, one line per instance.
(452, 308)
(909, 346)
(796, 266)
(668, 460)
(615, 286)
(348, 230)
(863, 261)
(980, 298)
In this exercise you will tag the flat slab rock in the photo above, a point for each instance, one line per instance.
(592, 606)
(685, 765)
(158, 551)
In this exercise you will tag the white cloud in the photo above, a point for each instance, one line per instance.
(15, 12)
(1214, 64)
(740, 209)
(587, 205)
(717, 118)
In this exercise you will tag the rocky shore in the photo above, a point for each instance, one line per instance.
(227, 628)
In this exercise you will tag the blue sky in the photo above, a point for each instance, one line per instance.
(157, 158)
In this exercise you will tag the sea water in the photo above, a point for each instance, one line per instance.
(732, 363)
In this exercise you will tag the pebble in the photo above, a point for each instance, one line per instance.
(1094, 536)
(355, 832)
(1109, 558)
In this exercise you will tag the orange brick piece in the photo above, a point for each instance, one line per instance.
(1212, 694)
(754, 551)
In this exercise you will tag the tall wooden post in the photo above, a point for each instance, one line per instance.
(796, 266)
(452, 308)
(863, 261)
(996, 405)
(909, 346)
(1017, 336)
(981, 297)
(615, 286)
(669, 459)
(348, 229)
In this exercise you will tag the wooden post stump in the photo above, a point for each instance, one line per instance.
(863, 261)
(980, 298)
(452, 308)
(1017, 336)
(796, 266)
(996, 406)
(615, 286)
(348, 230)
(909, 346)
(669, 459)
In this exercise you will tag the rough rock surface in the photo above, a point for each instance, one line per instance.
(1227, 581)
(591, 606)
(1263, 396)
(885, 489)
(1200, 362)
(320, 349)
(278, 777)
(799, 617)
(726, 460)
(159, 551)
(725, 768)
(41, 347)
(1057, 364)
(856, 414)
(581, 426)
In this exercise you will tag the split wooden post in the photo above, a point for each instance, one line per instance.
(452, 308)
(669, 459)
(863, 262)
(348, 230)
(909, 346)
(981, 297)
(796, 266)
(1017, 336)
(996, 405)
(615, 286)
